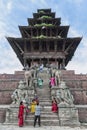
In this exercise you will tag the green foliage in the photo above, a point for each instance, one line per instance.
(41, 12)
(45, 17)
(43, 24)
(40, 37)
(43, 37)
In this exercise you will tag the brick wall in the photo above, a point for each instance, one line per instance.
(82, 115)
(6, 89)
(8, 83)
(2, 115)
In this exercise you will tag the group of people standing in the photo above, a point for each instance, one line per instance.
(34, 108)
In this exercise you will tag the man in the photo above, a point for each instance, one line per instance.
(37, 114)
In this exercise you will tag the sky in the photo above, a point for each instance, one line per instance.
(15, 12)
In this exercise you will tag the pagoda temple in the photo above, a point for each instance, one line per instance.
(45, 41)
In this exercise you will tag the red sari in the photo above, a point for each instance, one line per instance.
(54, 107)
(20, 115)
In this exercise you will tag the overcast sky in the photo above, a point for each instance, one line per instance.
(16, 12)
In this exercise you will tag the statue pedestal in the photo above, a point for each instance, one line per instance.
(53, 91)
(68, 115)
(12, 114)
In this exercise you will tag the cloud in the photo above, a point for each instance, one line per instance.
(79, 59)
(9, 6)
(5, 7)
(14, 12)
(76, 1)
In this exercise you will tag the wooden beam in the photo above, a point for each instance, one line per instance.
(27, 33)
(22, 52)
(66, 51)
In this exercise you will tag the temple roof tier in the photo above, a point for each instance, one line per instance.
(69, 43)
(49, 55)
(37, 15)
(29, 31)
(44, 10)
(44, 19)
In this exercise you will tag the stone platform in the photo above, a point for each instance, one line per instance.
(12, 127)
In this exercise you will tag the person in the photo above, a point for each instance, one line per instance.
(21, 114)
(52, 81)
(37, 114)
(54, 105)
(41, 67)
(36, 98)
(32, 107)
(40, 82)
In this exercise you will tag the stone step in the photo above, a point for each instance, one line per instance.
(44, 122)
(43, 117)
(44, 99)
(31, 117)
(45, 103)
(45, 87)
(31, 122)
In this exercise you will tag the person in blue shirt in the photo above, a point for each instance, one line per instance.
(37, 114)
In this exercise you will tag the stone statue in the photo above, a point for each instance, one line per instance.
(57, 77)
(15, 97)
(64, 93)
(28, 77)
(20, 93)
(68, 113)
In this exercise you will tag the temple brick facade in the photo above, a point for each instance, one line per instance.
(76, 82)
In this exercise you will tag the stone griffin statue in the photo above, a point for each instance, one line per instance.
(63, 93)
(20, 93)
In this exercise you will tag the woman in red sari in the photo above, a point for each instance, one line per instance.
(54, 106)
(21, 114)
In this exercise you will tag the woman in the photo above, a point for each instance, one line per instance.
(33, 105)
(21, 114)
(52, 81)
(40, 82)
(54, 106)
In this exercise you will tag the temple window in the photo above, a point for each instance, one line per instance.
(44, 48)
(36, 46)
(51, 46)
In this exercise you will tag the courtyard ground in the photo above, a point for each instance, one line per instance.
(12, 127)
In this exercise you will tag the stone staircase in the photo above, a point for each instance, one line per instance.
(48, 118)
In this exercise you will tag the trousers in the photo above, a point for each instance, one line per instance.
(37, 117)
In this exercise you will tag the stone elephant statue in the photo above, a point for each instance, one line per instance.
(53, 72)
(57, 77)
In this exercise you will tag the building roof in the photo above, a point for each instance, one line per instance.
(70, 47)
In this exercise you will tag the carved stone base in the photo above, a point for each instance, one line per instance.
(68, 115)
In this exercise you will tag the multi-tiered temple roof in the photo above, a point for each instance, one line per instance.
(44, 40)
